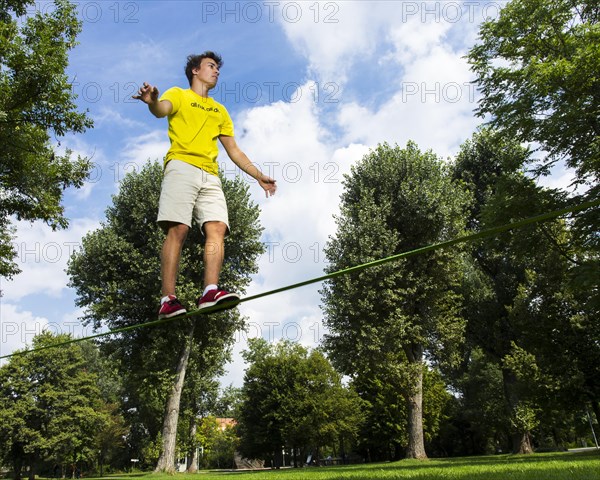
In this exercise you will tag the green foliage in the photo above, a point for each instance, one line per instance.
(117, 279)
(110, 439)
(521, 300)
(384, 320)
(207, 433)
(36, 100)
(435, 401)
(50, 406)
(384, 431)
(199, 400)
(224, 449)
(293, 398)
(480, 411)
(525, 417)
(150, 451)
(537, 67)
(395, 200)
(228, 402)
(219, 444)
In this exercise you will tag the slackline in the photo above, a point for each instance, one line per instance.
(466, 238)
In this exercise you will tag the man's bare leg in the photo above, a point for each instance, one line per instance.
(214, 251)
(171, 254)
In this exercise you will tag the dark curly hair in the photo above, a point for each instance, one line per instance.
(193, 61)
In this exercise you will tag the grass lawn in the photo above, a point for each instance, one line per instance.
(542, 466)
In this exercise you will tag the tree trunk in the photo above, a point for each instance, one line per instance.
(416, 438)
(17, 465)
(596, 410)
(32, 462)
(521, 440)
(166, 461)
(192, 466)
(522, 443)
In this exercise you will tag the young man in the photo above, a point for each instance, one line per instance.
(191, 186)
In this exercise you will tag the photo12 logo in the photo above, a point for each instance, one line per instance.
(443, 11)
(94, 11)
(225, 92)
(254, 12)
(45, 252)
(273, 331)
(293, 252)
(24, 332)
(289, 172)
(439, 92)
(269, 92)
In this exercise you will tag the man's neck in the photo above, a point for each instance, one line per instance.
(200, 88)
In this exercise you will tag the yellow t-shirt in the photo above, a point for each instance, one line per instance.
(194, 126)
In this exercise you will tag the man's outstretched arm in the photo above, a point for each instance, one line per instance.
(149, 95)
(241, 160)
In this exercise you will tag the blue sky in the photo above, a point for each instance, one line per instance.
(311, 87)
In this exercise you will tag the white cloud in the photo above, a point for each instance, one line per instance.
(288, 139)
(414, 39)
(332, 35)
(307, 330)
(80, 148)
(418, 48)
(42, 255)
(562, 178)
(18, 327)
(113, 118)
(335, 36)
(138, 149)
(431, 102)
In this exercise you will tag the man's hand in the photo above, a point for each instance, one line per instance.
(268, 185)
(147, 94)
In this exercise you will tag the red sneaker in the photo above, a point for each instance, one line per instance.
(171, 308)
(223, 299)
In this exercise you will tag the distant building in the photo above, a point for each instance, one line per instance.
(225, 423)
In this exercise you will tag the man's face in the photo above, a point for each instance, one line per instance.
(208, 72)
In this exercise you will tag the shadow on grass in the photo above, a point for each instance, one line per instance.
(505, 459)
(577, 466)
(552, 466)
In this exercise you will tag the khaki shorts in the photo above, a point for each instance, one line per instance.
(187, 193)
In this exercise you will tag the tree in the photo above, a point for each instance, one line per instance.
(117, 277)
(110, 438)
(536, 67)
(203, 402)
(481, 407)
(523, 316)
(218, 442)
(384, 432)
(199, 399)
(36, 101)
(50, 407)
(391, 316)
(293, 399)
(228, 401)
